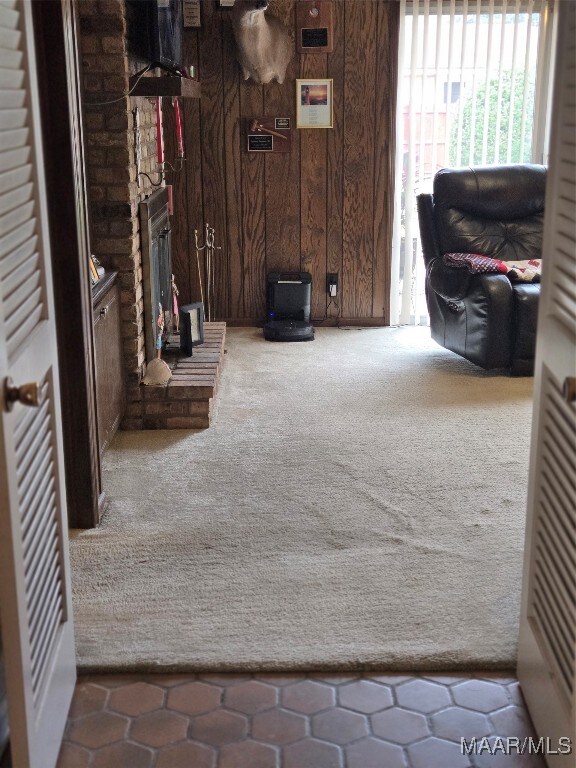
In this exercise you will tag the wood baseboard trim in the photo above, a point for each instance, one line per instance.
(364, 322)
(244, 322)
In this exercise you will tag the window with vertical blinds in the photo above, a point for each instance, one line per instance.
(470, 74)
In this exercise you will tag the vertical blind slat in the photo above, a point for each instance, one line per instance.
(417, 268)
(474, 87)
(399, 165)
(488, 83)
(406, 303)
(449, 73)
(434, 149)
(513, 82)
(462, 61)
(500, 83)
(525, 89)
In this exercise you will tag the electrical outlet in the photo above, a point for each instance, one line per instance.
(332, 284)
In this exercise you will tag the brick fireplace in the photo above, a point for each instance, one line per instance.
(121, 163)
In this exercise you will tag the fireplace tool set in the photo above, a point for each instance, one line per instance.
(207, 285)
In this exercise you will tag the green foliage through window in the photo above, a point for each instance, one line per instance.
(508, 103)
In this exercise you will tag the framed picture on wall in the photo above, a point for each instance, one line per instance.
(314, 103)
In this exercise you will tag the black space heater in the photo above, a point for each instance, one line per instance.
(288, 307)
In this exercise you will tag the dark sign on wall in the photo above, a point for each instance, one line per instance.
(314, 26)
(314, 38)
(260, 143)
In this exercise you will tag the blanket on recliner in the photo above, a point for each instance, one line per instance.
(526, 271)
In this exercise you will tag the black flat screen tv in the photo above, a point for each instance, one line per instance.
(155, 29)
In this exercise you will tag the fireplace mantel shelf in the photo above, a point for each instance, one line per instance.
(166, 86)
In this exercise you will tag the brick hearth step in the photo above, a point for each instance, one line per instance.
(186, 402)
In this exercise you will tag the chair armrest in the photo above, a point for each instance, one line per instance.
(428, 235)
(496, 287)
(456, 283)
(450, 283)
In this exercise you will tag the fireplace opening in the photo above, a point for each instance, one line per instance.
(156, 271)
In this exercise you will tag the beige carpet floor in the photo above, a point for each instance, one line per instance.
(358, 503)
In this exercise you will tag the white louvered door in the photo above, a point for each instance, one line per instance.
(547, 653)
(35, 600)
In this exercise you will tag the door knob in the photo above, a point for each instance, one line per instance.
(27, 394)
(569, 389)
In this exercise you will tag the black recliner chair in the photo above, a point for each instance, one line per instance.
(495, 211)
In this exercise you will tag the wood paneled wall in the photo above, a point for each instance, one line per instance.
(324, 207)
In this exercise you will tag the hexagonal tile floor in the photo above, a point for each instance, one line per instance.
(293, 721)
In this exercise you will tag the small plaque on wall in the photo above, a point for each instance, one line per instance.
(314, 26)
(314, 38)
(191, 10)
(260, 143)
(269, 134)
